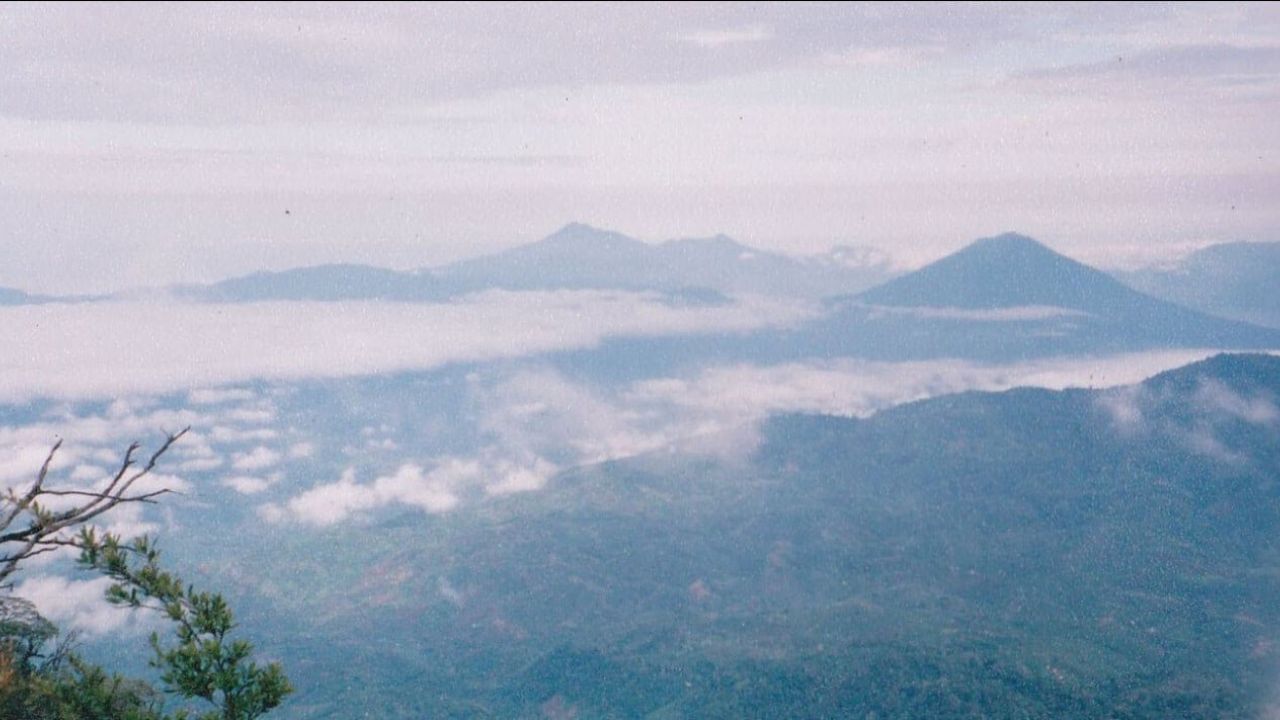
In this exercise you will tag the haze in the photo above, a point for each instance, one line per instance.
(150, 145)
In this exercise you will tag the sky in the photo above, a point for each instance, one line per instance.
(146, 144)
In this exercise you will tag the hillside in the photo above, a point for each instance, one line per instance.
(1029, 553)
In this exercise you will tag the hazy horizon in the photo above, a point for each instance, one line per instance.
(146, 146)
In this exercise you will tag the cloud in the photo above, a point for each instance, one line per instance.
(431, 492)
(731, 36)
(884, 57)
(97, 438)
(1222, 68)
(246, 485)
(201, 464)
(539, 413)
(739, 393)
(1009, 314)
(256, 459)
(1201, 439)
(76, 604)
(20, 462)
(511, 478)
(1124, 405)
(1215, 397)
(262, 63)
(232, 435)
(143, 146)
(217, 396)
(1220, 60)
(436, 491)
(74, 351)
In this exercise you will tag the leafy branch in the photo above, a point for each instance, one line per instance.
(204, 663)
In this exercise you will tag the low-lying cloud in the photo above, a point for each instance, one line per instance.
(102, 350)
(533, 420)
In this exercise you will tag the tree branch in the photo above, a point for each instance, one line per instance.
(28, 528)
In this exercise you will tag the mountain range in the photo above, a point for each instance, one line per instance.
(1029, 553)
(575, 257)
(1001, 299)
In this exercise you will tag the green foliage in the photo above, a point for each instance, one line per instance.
(205, 663)
(41, 680)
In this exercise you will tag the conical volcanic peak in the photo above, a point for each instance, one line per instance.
(1008, 270)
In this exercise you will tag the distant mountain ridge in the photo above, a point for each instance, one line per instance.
(321, 283)
(9, 296)
(580, 256)
(1233, 280)
(575, 257)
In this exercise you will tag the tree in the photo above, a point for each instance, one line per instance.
(204, 664)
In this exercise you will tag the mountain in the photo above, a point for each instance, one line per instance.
(1023, 554)
(1008, 270)
(1021, 298)
(9, 296)
(1233, 280)
(575, 257)
(1002, 299)
(322, 282)
(580, 256)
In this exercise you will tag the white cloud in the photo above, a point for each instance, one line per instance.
(728, 36)
(432, 492)
(540, 414)
(1124, 406)
(1203, 440)
(517, 478)
(742, 393)
(217, 396)
(71, 351)
(201, 464)
(20, 462)
(1216, 397)
(250, 415)
(80, 473)
(75, 604)
(256, 459)
(225, 434)
(246, 485)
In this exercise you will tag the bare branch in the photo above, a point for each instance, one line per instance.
(28, 529)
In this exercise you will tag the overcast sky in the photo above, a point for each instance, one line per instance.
(145, 144)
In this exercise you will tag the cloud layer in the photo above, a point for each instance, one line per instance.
(110, 349)
(532, 421)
